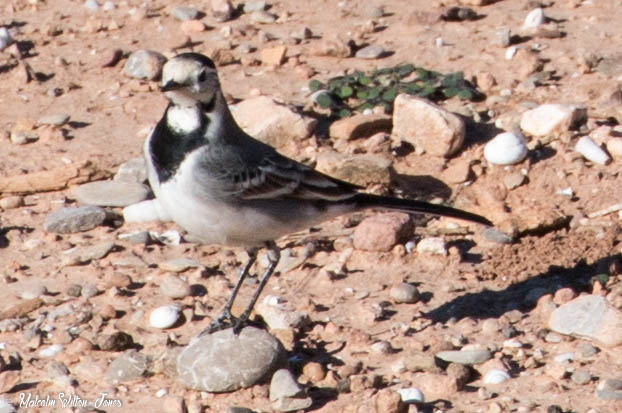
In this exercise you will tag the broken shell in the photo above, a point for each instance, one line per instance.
(164, 317)
(506, 149)
(588, 148)
(411, 395)
(496, 376)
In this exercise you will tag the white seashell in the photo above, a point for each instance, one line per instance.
(164, 317)
(150, 210)
(496, 376)
(171, 237)
(534, 19)
(588, 148)
(51, 351)
(506, 149)
(411, 395)
(510, 52)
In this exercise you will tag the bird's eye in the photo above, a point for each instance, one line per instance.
(202, 76)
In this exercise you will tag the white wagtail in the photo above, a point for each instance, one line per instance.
(228, 188)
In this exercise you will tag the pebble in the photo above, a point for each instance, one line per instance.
(286, 394)
(129, 366)
(496, 235)
(373, 51)
(591, 151)
(262, 17)
(359, 169)
(71, 220)
(54, 120)
(432, 245)
(589, 316)
(411, 395)
(192, 26)
(144, 211)
(117, 341)
(89, 290)
(503, 37)
(381, 232)
(468, 357)
(224, 361)
(144, 64)
(609, 389)
(254, 5)
(507, 148)
(273, 56)
(278, 315)
(548, 118)
(534, 19)
(514, 180)
(185, 13)
(382, 347)
(164, 317)
(91, 5)
(496, 376)
(137, 238)
(5, 38)
(404, 293)
(359, 126)
(314, 371)
(111, 193)
(51, 351)
(109, 6)
(109, 57)
(222, 10)
(614, 147)
(174, 287)
(581, 376)
(587, 349)
(179, 264)
(12, 202)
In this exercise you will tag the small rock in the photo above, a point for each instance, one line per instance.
(331, 48)
(224, 361)
(404, 293)
(285, 393)
(359, 169)
(534, 19)
(551, 117)
(467, 357)
(134, 170)
(51, 351)
(150, 210)
(272, 122)
(174, 404)
(614, 147)
(12, 202)
(173, 286)
(144, 64)
(432, 245)
(507, 148)
(411, 395)
(587, 349)
(91, 5)
(302, 33)
(54, 120)
(192, 26)
(185, 13)
(222, 10)
(280, 315)
(5, 38)
(71, 220)
(503, 37)
(314, 371)
(129, 366)
(589, 316)
(164, 317)
(427, 126)
(514, 180)
(458, 172)
(179, 264)
(89, 290)
(274, 56)
(389, 401)
(109, 57)
(382, 347)
(254, 5)
(117, 341)
(581, 376)
(496, 376)
(360, 126)
(262, 17)
(435, 386)
(609, 389)
(111, 193)
(373, 51)
(381, 232)
(591, 151)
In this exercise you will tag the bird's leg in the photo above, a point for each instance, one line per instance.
(219, 322)
(274, 254)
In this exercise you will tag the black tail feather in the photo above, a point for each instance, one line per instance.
(409, 205)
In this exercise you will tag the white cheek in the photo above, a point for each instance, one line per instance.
(183, 119)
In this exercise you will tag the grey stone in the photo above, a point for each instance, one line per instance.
(179, 264)
(280, 316)
(587, 349)
(5, 38)
(581, 376)
(224, 361)
(262, 17)
(133, 170)
(54, 120)
(254, 5)
(495, 235)
(174, 287)
(222, 10)
(91, 5)
(89, 290)
(359, 169)
(129, 366)
(144, 64)
(404, 293)
(111, 193)
(373, 51)
(609, 65)
(70, 220)
(92, 252)
(185, 13)
(609, 389)
(286, 394)
(465, 357)
(513, 180)
(237, 409)
(589, 316)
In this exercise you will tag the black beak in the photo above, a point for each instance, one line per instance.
(170, 85)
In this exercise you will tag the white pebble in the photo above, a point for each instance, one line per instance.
(534, 19)
(591, 151)
(164, 317)
(432, 245)
(150, 210)
(511, 343)
(510, 52)
(410, 246)
(5, 38)
(171, 237)
(51, 351)
(91, 5)
(108, 6)
(161, 393)
(411, 395)
(496, 376)
(564, 357)
(507, 148)
(439, 42)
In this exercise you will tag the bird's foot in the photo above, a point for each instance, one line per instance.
(224, 321)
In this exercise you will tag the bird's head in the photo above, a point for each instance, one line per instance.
(189, 79)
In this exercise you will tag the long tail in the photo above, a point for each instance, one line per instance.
(408, 205)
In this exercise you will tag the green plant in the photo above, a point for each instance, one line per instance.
(359, 91)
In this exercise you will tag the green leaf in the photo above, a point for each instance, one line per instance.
(362, 94)
(365, 80)
(427, 91)
(422, 74)
(389, 95)
(344, 113)
(345, 91)
(412, 88)
(314, 85)
(324, 100)
(373, 93)
(450, 92)
(335, 83)
(366, 105)
(465, 94)
(405, 70)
